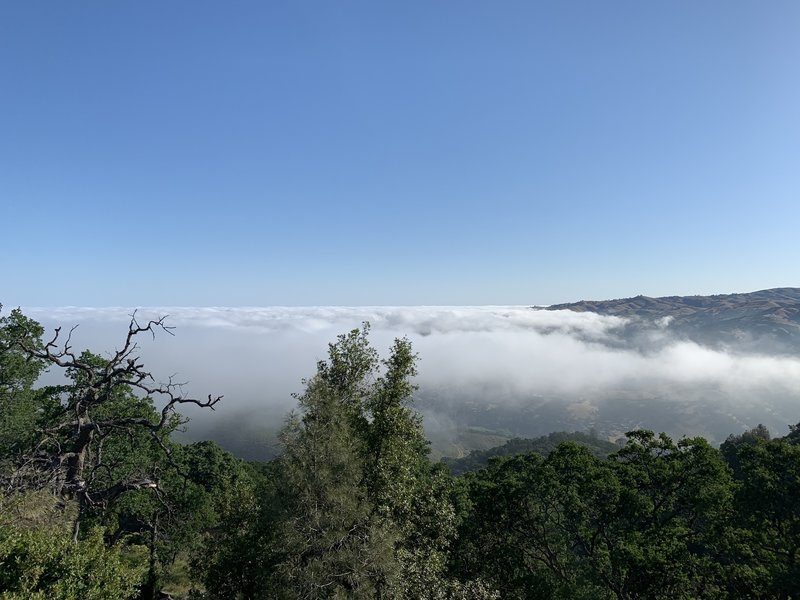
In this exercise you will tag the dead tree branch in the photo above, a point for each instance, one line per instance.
(69, 454)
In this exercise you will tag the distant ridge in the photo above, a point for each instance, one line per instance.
(543, 445)
(766, 320)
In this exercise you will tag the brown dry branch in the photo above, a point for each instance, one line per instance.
(77, 436)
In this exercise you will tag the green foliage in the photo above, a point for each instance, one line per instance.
(333, 545)
(675, 502)
(643, 524)
(794, 434)
(196, 487)
(730, 447)
(354, 507)
(502, 509)
(766, 546)
(45, 564)
(544, 445)
(241, 558)
(20, 403)
(100, 445)
(401, 484)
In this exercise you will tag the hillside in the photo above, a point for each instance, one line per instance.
(766, 320)
(544, 445)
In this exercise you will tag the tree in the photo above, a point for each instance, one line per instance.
(401, 483)
(241, 558)
(353, 508)
(107, 399)
(173, 520)
(675, 505)
(509, 532)
(646, 523)
(794, 434)
(732, 444)
(335, 544)
(20, 403)
(767, 545)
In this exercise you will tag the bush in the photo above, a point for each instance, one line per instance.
(44, 563)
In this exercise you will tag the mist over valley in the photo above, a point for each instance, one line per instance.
(706, 366)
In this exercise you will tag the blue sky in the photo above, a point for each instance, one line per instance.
(375, 153)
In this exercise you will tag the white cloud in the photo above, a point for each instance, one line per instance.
(258, 356)
(421, 320)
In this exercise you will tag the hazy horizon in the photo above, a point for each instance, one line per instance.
(513, 357)
(162, 307)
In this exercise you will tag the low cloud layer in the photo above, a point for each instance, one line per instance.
(257, 357)
(261, 354)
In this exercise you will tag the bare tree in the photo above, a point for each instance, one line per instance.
(69, 452)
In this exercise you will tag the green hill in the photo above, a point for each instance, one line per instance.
(477, 459)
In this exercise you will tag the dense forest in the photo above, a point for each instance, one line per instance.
(99, 501)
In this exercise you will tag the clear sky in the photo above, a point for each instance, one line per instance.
(309, 153)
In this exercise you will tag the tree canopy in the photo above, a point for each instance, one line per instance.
(99, 500)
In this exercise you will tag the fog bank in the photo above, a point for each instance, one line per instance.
(515, 356)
